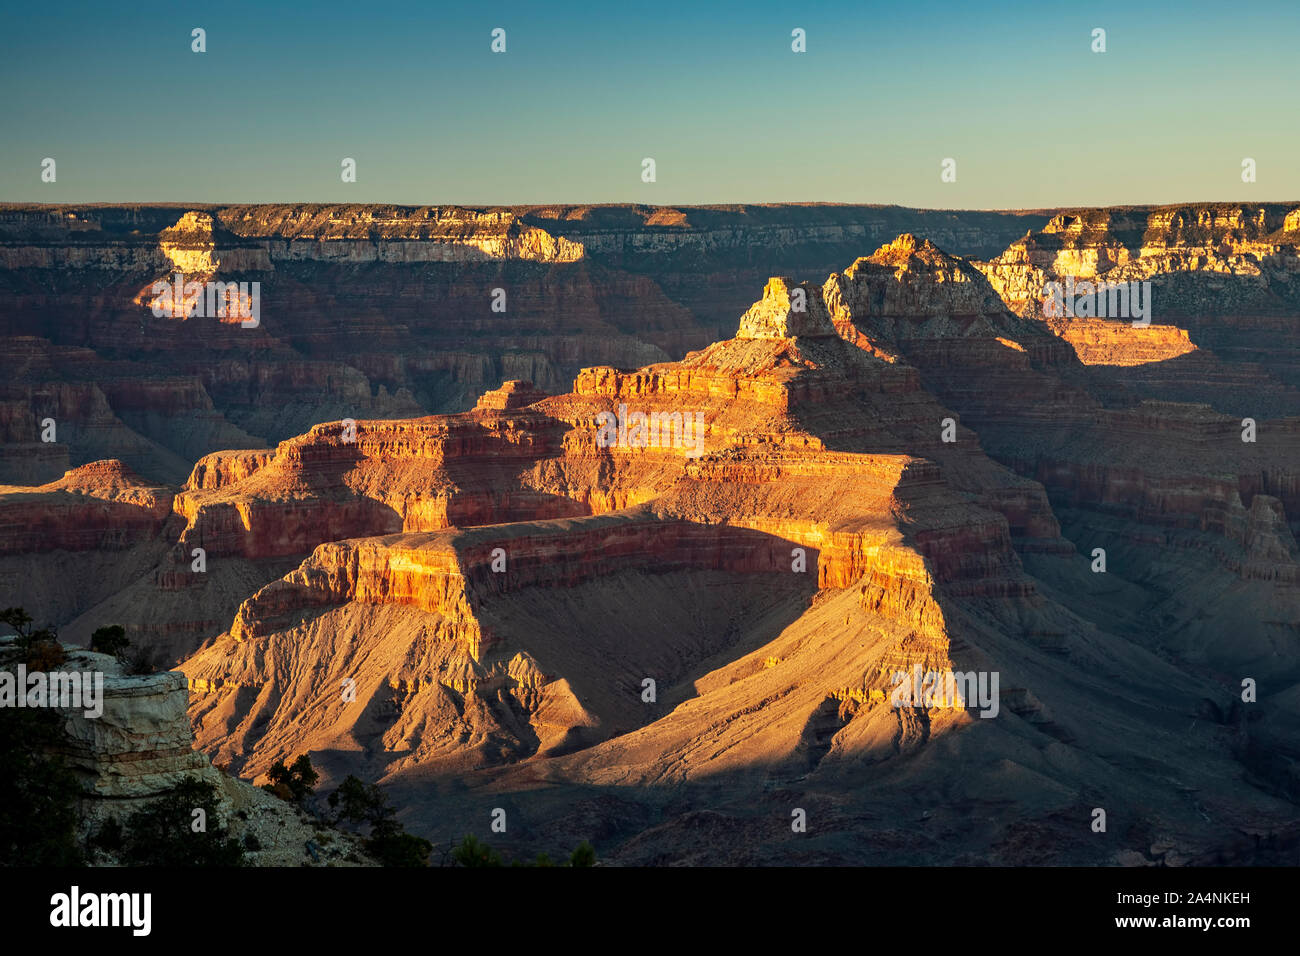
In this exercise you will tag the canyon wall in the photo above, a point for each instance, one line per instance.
(887, 462)
(371, 311)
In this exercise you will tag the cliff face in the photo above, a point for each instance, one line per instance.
(751, 231)
(1140, 438)
(369, 311)
(1230, 258)
(1045, 412)
(100, 506)
(890, 469)
(818, 510)
(1223, 297)
(69, 544)
(142, 745)
(756, 442)
(817, 506)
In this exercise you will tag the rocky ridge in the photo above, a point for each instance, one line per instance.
(498, 583)
(368, 311)
(459, 669)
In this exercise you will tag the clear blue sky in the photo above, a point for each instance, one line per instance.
(711, 91)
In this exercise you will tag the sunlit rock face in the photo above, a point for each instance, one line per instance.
(763, 506)
(1222, 285)
(674, 577)
(1255, 244)
(369, 311)
(824, 511)
(787, 310)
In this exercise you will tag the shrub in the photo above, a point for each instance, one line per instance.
(294, 783)
(280, 790)
(45, 654)
(41, 649)
(38, 792)
(143, 660)
(19, 620)
(398, 848)
(472, 852)
(360, 803)
(109, 640)
(162, 833)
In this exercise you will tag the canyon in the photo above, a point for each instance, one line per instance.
(382, 527)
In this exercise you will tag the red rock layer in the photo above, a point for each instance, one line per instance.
(102, 506)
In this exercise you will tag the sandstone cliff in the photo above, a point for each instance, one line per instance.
(898, 466)
(513, 653)
(372, 311)
(1223, 280)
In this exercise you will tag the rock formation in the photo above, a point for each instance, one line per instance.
(657, 590)
(137, 744)
(1224, 292)
(819, 440)
(370, 311)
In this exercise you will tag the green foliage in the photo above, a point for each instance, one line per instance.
(110, 837)
(41, 649)
(399, 848)
(472, 852)
(357, 802)
(294, 783)
(366, 804)
(109, 640)
(162, 833)
(18, 619)
(584, 855)
(38, 792)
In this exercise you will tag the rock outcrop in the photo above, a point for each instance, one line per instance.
(370, 311)
(643, 574)
(754, 442)
(819, 494)
(1224, 292)
(136, 744)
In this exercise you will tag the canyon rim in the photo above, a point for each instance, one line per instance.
(497, 509)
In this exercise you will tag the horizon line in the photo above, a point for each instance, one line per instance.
(1010, 210)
